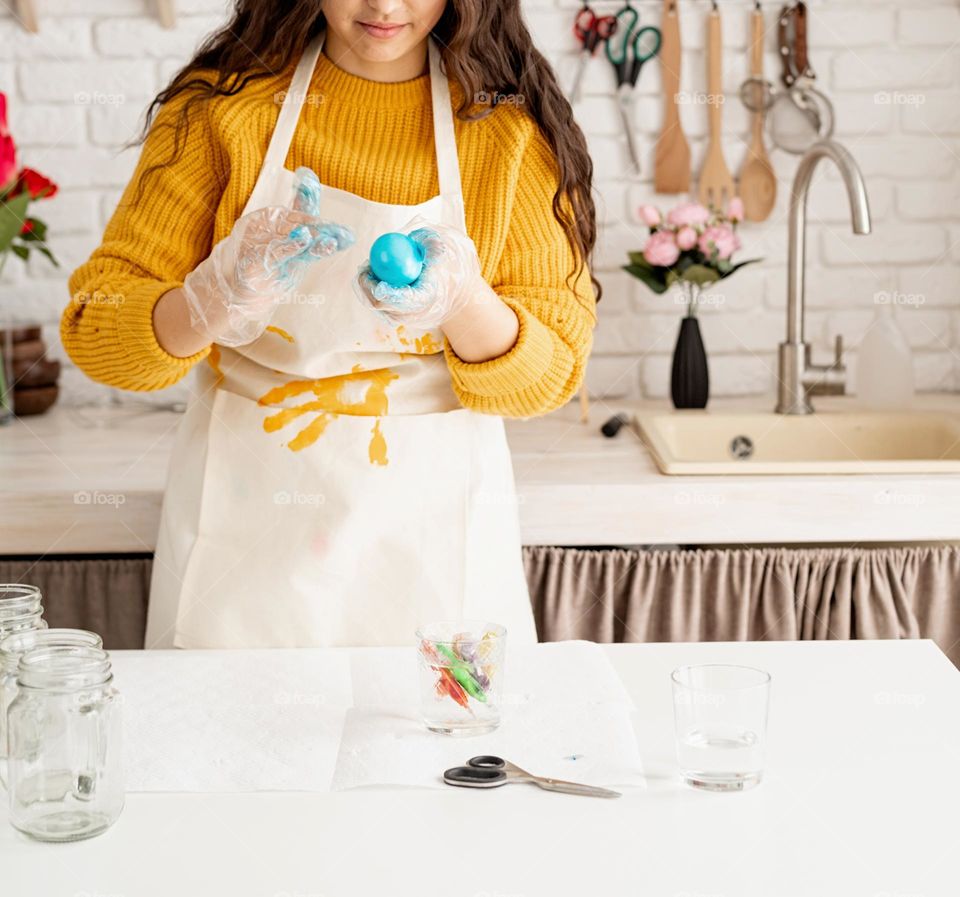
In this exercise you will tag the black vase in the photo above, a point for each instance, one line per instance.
(689, 379)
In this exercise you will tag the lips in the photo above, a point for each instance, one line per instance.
(381, 30)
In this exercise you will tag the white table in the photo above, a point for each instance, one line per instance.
(860, 798)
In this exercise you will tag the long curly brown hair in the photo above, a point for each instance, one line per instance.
(485, 47)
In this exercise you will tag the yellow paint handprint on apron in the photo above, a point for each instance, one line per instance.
(332, 396)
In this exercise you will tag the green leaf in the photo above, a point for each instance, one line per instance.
(650, 276)
(46, 252)
(636, 258)
(701, 275)
(20, 251)
(12, 215)
(738, 266)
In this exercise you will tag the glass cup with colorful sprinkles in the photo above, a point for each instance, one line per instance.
(461, 676)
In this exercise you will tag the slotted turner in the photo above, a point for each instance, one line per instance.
(716, 182)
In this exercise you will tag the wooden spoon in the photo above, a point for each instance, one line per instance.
(716, 182)
(758, 183)
(671, 172)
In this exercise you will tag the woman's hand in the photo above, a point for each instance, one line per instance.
(232, 295)
(450, 279)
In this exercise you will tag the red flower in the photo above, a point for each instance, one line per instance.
(39, 186)
(27, 227)
(8, 149)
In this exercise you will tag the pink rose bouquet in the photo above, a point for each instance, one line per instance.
(692, 245)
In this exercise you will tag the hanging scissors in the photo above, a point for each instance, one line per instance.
(628, 49)
(589, 29)
(491, 772)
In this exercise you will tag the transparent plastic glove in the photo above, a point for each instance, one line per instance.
(449, 279)
(233, 293)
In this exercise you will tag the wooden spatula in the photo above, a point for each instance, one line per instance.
(716, 182)
(758, 183)
(671, 171)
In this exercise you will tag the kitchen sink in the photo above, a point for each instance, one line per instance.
(703, 442)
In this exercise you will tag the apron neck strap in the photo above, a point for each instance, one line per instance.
(445, 142)
(293, 103)
(448, 166)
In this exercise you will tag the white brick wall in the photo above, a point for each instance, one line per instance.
(892, 70)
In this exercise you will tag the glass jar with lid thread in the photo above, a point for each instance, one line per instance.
(15, 645)
(21, 608)
(64, 767)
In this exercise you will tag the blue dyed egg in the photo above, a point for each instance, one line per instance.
(396, 259)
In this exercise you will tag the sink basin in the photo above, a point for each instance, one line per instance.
(702, 442)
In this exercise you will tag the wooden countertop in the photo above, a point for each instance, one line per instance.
(91, 481)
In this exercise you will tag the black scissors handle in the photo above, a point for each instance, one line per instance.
(487, 761)
(639, 57)
(484, 771)
(628, 57)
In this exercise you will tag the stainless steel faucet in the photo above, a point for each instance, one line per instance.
(798, 377)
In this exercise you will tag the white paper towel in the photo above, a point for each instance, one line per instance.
(312, 720)
(231, 720)
(565, 714)
(589, 743)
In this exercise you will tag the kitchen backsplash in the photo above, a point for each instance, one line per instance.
(78, 88)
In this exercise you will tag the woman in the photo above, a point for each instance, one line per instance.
(341, 474)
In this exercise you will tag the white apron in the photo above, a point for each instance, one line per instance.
(326, 487)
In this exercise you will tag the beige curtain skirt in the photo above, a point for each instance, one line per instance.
(624, 595)
(627, 595)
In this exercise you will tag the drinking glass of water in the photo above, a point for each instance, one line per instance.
(721, 719)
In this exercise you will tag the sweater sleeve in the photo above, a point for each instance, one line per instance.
(154, 239)
(546, 364)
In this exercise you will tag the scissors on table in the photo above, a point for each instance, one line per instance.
(589, 29)
(490, 772)
(628, 49)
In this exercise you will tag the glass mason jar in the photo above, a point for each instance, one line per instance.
(64, 772)
(21, 608)
(13, 646)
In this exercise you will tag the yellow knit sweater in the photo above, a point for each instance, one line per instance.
(373, 139)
